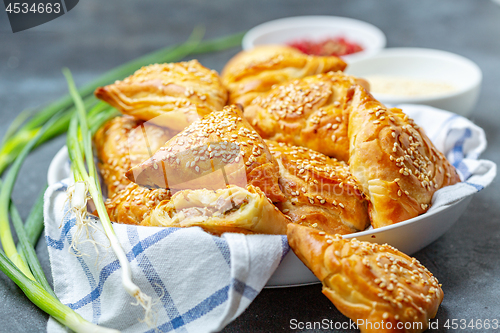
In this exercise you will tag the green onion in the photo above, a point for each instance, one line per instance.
(45, 301)
(16, 124)
(79, 136)
(20, 268)
(28, 250)
(34, 222)
(5, 192)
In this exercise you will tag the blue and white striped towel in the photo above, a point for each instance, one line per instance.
(201, 282)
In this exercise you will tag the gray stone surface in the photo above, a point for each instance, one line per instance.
(98, 35)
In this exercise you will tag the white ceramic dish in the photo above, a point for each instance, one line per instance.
(289, 29)
(427, 65)
(408, 236)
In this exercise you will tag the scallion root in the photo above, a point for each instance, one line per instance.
(85, 226)
(146, 303)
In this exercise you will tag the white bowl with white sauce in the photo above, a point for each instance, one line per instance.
(421, 76)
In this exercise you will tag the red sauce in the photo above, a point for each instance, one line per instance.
(332, 46)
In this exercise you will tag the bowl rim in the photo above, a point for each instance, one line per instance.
(398, 52)
(372, 231)
(292, 22)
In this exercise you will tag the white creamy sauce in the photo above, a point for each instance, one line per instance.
(403, 86)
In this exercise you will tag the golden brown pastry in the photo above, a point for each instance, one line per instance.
(170, 95)
(253, 72)
(320, 191)
(307, 112)
(369, 283)
(132, 204)
(396, 164)
(122, 143)
(218, 150)
(231, 209)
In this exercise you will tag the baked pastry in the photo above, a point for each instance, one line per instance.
(231, 209)
(396, 164)
(369, 283)
(170, 95)
(122, 143)
(132, 204)
(253, 72)
(220, 149)
(320, 191)
(307, 112)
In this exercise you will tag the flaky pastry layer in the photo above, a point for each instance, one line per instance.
(171, 95)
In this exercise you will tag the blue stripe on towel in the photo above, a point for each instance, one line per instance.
(151, 274)
(224, 249)
(204, 307)
(63, 187)
(96, 303)
(244, 289)
(458, 154)
(96, 292)
(458, 148)
(284, 247)
(476, 186)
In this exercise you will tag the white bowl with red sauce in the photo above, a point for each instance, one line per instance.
(311, 31)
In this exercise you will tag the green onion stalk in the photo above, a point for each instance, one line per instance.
(6, 238)
(79, 142)
(23, 267)
(46, 301)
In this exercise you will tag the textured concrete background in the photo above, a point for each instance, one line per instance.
(98, 35)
